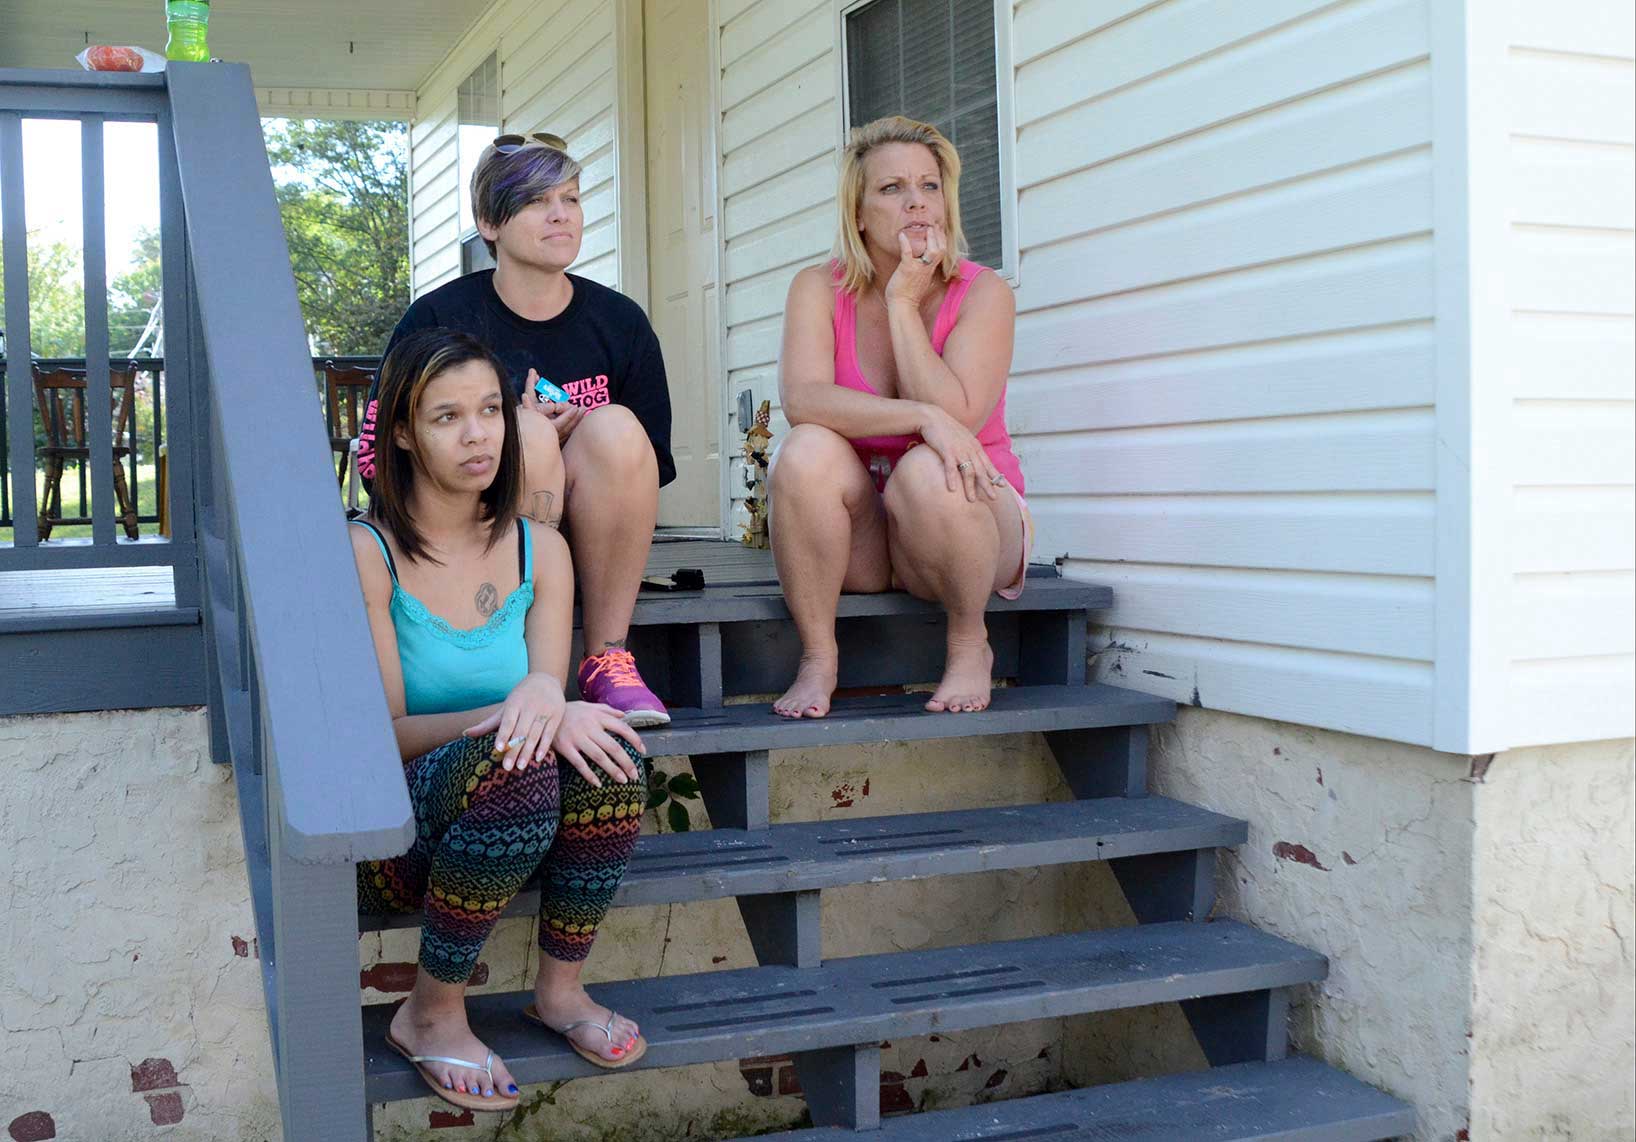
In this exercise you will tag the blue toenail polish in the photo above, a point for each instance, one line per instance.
(448, 1085)
(512, 1088)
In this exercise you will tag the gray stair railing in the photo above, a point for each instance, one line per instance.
(296, 698)
(259, 544)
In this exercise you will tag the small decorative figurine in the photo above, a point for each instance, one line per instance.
(756, 440)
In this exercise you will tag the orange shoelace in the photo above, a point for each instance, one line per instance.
(618, 664)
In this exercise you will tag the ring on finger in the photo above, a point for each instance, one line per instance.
(998, 479)
(963, 466)
(924, 260)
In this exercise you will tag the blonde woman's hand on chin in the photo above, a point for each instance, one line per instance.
(526, 722)
(966, 466)
(916, 274)
(589, 735)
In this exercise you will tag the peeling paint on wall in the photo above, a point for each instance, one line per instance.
(1476, 922)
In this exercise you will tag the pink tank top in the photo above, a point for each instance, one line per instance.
(879, 451)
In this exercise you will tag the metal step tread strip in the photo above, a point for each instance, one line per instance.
(1293, 1100)
(902, 717)
(713, 1016)
(710, 864)
(749, 602)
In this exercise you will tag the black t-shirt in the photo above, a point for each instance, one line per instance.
(601, 349)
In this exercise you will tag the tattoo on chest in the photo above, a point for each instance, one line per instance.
(488, 600)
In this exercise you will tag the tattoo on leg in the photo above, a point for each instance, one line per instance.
(539, 509)
(488, 600)
(619, 642)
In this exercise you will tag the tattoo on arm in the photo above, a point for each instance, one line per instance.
(539, 509)
(488, 600)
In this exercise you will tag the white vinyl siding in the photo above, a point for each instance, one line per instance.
(1324, 339)
(1569, 262)
(778, 136)
(1222, 392)
(557, 75)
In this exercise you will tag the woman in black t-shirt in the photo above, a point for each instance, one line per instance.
(595, 460)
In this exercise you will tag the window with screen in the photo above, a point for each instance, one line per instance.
(478, 121)
(934, 60)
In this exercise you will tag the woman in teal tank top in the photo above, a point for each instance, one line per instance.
(471, 610)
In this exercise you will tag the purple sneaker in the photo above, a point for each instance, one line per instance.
(612, 679)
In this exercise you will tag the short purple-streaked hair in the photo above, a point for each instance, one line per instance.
(504, 183)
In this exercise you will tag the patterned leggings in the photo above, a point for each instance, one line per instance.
(481, 831)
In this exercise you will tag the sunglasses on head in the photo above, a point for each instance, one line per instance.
(507, 144)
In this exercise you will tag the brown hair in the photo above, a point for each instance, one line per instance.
(414, 363)
(504, 182)
(857, 271)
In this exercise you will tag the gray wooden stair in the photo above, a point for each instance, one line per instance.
(856, 1002)
(902, 717)
(735, 637)
(713, 864)
(1292, 1100)
(763, 601)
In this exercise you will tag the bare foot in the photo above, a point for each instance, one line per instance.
(444, 1031)
(967, 678)
(808, 696)
(569, 1004)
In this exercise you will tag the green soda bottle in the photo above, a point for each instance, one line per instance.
(187, 20)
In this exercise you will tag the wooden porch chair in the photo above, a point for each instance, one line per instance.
(346, 389)
(60, 397)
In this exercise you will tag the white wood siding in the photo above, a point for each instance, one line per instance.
(1569, 260)
(1223, 387)
(557, 73)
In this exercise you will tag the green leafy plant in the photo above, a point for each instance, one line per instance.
(667, 793)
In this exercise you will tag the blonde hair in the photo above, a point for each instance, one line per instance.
(857, 271)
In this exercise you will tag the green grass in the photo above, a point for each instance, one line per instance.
(146, 504)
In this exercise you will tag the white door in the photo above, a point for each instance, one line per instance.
(682, 296)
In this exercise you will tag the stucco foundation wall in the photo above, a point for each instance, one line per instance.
(1362, 850)
(130, 992)
(1554, 1005)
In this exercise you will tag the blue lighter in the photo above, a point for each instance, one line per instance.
(547, 393)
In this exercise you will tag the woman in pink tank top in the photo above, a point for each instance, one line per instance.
(897, 470)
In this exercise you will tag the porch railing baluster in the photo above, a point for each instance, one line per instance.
(19, 379)
(98, 390)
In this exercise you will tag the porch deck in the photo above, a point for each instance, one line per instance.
(81, 591)
(132, 590)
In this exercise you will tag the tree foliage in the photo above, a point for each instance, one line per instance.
(56, 298)
(134, 293)
(343, 192)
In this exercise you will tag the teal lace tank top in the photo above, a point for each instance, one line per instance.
(447, 669)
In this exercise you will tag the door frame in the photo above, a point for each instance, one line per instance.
(630, 166)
